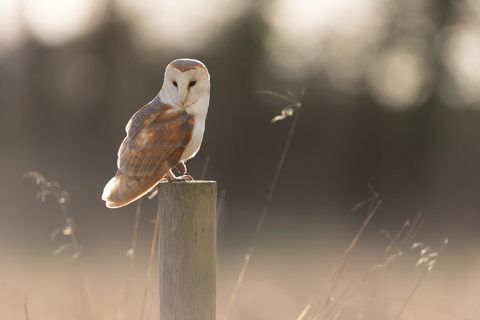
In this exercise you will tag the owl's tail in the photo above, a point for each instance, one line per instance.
(124, 189)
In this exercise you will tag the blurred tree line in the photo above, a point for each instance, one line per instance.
(64, 108)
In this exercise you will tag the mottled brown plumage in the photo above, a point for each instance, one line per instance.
(156, 139)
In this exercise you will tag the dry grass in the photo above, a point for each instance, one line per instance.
(149, 271)
(329, 301)
(62, 197)
(288, 110)
(123, 307)
(25, 305)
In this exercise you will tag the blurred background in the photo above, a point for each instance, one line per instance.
(392, 99)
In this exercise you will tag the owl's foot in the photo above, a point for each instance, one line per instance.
(172, 178)
(181, 167)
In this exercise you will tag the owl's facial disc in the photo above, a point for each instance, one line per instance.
(185, 88)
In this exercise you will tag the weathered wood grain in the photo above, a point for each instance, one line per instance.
(188, 262)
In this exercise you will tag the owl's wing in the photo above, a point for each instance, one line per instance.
(157, 136)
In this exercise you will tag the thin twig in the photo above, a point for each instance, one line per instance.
(364, 202)
(278, 95)
(121, 304)
(337, 301)
(414, 233)
(205, 167)
(269, 197)
(25, 305)
(411, 233)
(220, 203)
(89, 294)
(336, 273)
(82, 301)
(425, 272)
(62, 197)
(375, 266)
(294, 97)
(371, 210)
(154, 290)
(152, 252)
(334, 270)
(131, 254)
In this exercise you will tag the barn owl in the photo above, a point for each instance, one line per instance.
(162, 135)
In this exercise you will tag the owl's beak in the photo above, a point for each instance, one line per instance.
(183, 95)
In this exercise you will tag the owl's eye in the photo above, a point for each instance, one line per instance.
(175, 83)
(192, 83)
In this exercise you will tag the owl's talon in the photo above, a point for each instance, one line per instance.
(185, 177)
(172, 178)
(180, 178)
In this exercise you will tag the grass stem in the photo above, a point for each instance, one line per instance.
(152, 253)
(205, 167)
(336, 272)
(268, 200)
(131, 254)
(25, 305)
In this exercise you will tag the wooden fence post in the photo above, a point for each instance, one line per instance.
(188, 255)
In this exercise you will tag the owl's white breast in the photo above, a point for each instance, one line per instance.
(196, 141)
(199, 111)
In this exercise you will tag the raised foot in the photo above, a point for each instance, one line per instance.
(181, 167)
(172, 178)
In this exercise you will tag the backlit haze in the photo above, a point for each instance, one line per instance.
(391, 105)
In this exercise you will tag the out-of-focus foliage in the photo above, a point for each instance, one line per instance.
(391, 88)
(392, 97)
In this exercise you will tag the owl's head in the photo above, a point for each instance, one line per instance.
(186, 81)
